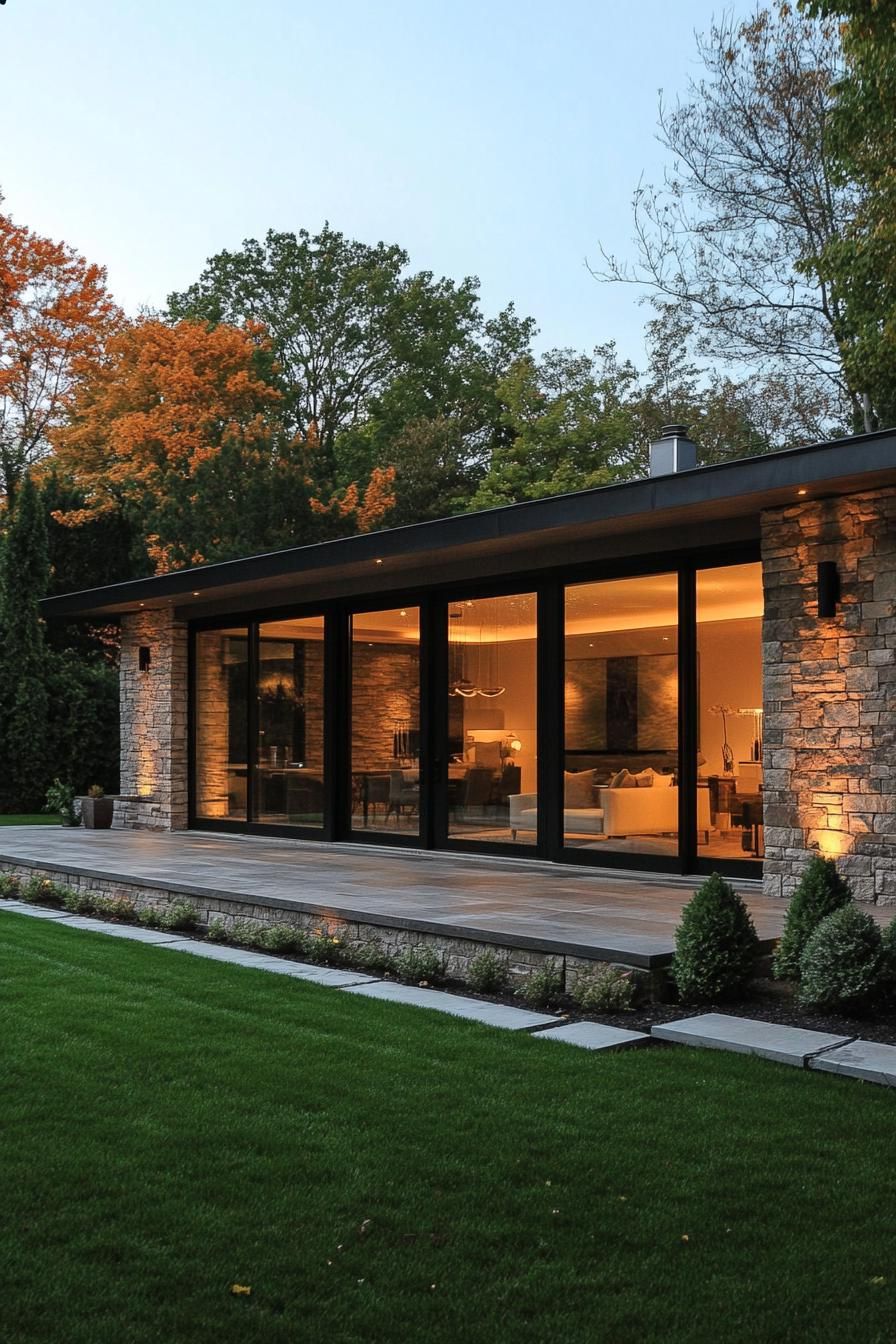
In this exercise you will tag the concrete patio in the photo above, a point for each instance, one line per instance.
(518, 903)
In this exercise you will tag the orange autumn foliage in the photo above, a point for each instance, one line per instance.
(368, 509)
(54, 311)
(158, 403)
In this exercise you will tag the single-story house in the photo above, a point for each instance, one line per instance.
(689, 673)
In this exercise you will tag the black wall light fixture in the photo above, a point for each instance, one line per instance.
(828, 588)
(143, 658)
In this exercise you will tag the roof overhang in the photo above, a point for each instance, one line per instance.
(638, 517)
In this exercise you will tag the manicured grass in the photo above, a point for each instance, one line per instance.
(29, 819)
(172, 1126)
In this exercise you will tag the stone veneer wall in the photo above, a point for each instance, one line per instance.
(355, 935)
(153, 723)
(829, 690)
(385, 691)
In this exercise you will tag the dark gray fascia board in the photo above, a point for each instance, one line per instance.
(837, 467)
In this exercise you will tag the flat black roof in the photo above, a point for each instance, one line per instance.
(613, 520)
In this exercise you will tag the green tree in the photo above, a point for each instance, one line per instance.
(23, 697)
(365, 353)
(861, 260)
(570, 426)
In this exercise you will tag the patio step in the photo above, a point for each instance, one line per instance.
(745, 1036)
(594, 1036)
(474, 1010)
(868, 1060)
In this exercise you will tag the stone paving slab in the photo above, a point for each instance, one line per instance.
(38, 911)
(237, 956)
(718, 1031)
(134, 933)
(594, 1036)
(870, 1060)
(475, 1010)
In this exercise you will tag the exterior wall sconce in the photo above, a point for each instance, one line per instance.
(828, 588)
(143, 658)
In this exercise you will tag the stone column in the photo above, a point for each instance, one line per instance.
(829, 691)
(153, 723)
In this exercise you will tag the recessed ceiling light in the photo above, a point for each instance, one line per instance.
(801, 492)
(377, 562)
(195, 594)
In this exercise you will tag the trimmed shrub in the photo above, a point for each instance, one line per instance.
(419, 963)
(78, 902)
(180, 915)
(283, 938)
(888, 962)
(842, 963)
(115, 907)
(42, 891)
(324, 947)
(216, 931)
(489, 974)
(821, 891)
(10, 887)
(609, 991)
(715, 944)
(544, 988)
(372, 956)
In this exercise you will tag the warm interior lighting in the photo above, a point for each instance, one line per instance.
(801, 492)
(377, 562)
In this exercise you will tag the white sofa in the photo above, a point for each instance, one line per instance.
(652, 811)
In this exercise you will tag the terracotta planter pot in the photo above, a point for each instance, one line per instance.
(96, 813)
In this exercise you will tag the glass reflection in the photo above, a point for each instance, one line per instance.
(621, 716)
(385, 723)
(289, 766)
(492, 715)
(221, 717)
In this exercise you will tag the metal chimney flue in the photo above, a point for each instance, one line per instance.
(672, 452)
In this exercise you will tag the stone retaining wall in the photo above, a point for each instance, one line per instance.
(830, 693)
(458, 953)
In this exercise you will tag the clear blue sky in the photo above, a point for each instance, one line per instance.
(500, 138)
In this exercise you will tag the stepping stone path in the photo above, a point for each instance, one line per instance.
(718, 1031)
(475, 1010)
(595, 1036)
(869, 1060)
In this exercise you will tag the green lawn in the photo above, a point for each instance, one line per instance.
(29, 819)
(172, 1126)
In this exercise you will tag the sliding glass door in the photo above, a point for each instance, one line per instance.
(492, 715)
(384, 751)
(620, 738)
(289, 730)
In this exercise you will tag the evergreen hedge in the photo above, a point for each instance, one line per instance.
(820, 891)
(842, 964)
(715, 944)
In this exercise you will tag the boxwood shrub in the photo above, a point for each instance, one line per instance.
(715, 944)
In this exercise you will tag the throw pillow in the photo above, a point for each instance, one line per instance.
(578, 788)
(644, 779)
(625, 781)
(616, 780)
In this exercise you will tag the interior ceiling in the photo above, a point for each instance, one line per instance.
(733, 592)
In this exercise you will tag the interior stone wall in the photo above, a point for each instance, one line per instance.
(829, 690)
(153, 723)
(385, 689)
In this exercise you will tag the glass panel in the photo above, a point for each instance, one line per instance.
(729, 656)
(220, 715)
(492, 716)
(289, 767)
(385, 747)
(621, 716)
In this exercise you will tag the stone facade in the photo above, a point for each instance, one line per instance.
(829, 691)
(153, 723)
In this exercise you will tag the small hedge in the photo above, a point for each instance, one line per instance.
(842, 966)
(820, 891)
(715, 944)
